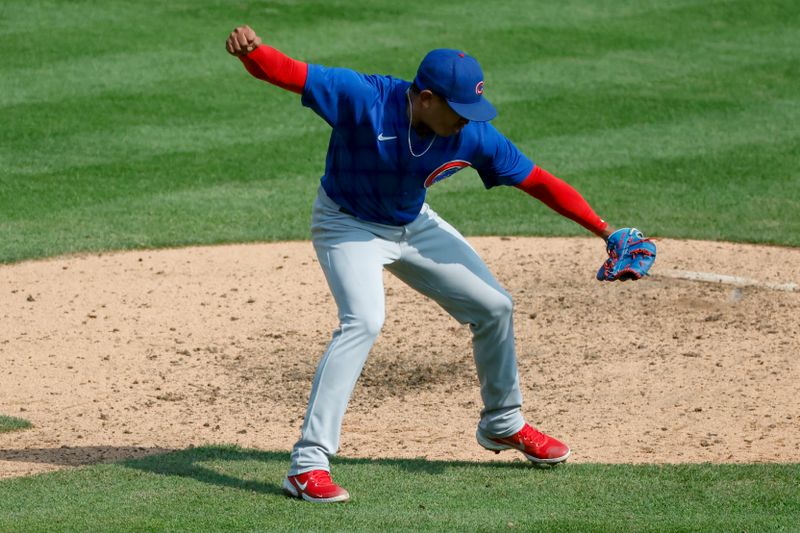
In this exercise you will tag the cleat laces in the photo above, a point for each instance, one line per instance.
(320, 478)
(528, 435)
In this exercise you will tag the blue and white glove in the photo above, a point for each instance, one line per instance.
(630, 256)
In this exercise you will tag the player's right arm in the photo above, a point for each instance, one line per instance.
(341, 96)
(266, 63)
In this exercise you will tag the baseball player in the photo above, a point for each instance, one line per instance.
(391, 139)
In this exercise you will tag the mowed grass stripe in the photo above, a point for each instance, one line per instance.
(100, 147)
(212, 488)
(673, 68)
(244, 159)
(183, 103)
(693, 135)
(141, 205)
(760, 191)
(20, 16)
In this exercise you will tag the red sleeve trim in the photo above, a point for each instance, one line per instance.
(562, 198)
(275, 67)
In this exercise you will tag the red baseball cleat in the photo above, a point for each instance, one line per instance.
(533, 444)
(315, 486)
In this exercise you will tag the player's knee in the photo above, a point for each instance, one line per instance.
(368, 324)
(373, 324)
(500, 306)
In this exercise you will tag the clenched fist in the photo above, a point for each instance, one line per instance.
(242, 41)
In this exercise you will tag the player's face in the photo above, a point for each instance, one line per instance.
(441, 118)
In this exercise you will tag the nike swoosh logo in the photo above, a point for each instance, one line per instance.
(382, 138)
(302, 486)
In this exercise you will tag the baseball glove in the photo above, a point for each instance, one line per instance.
(630, 256)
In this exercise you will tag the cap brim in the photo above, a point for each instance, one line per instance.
(480, 111)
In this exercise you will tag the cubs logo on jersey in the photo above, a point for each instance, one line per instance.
(445, 171)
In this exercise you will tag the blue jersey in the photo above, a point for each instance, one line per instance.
(369, 169)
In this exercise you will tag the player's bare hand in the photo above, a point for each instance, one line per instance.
(242, 41)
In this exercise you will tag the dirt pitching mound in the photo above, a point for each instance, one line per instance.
(120, 355)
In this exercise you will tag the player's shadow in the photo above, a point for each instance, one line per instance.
(217, 465)
(208, 465)
(191, 462)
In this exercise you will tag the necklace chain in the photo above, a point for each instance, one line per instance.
(410, 115)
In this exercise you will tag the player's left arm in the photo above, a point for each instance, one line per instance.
(630, 254)
(562, 198)
(500, 162)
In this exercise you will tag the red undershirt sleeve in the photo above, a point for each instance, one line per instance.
(275, 67)
(562, 198)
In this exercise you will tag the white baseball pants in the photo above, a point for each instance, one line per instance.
(431, 257)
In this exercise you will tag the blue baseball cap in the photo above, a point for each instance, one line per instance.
(458, 78)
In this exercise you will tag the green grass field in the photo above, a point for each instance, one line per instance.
(126, 125)
(217, 488)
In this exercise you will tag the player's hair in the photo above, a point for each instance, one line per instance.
(414, 88)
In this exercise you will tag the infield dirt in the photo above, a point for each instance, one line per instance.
(125, 354)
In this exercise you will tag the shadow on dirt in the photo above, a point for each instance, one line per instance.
(79, 455)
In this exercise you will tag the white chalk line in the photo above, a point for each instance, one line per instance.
(735, 281)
